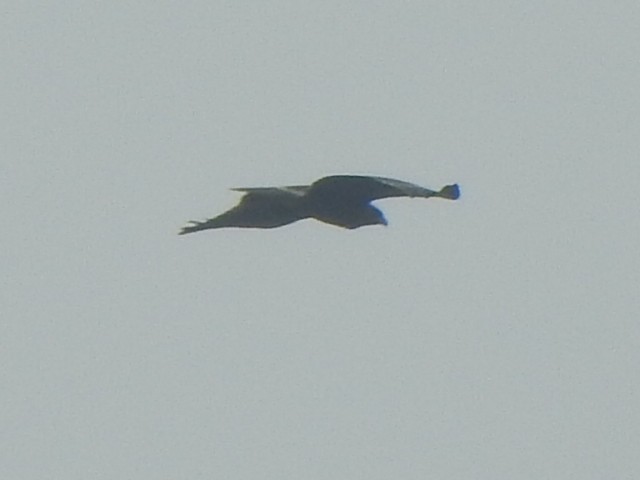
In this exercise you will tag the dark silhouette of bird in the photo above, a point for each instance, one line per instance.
(342, 200)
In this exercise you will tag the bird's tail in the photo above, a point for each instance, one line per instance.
(451, 192)
(195, 226)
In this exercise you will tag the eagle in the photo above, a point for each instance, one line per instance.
(341, 200)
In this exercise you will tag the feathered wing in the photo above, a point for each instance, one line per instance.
(364, 189)
(258, 208)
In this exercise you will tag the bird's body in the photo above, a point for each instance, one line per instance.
(341, 200)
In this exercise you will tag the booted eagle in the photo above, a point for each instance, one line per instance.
(342, 200)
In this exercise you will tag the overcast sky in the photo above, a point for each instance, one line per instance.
(495, 337)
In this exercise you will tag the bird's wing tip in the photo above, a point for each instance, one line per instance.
(451, 192)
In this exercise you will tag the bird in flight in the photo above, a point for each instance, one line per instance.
(342, 200)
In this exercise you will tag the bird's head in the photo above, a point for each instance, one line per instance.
(380, 218)
(368, 216)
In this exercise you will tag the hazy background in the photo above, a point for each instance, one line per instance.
(491, 338)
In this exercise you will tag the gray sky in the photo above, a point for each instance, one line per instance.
(491, 338)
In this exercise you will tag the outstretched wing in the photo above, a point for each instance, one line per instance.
(258, 208)
(364, 189)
